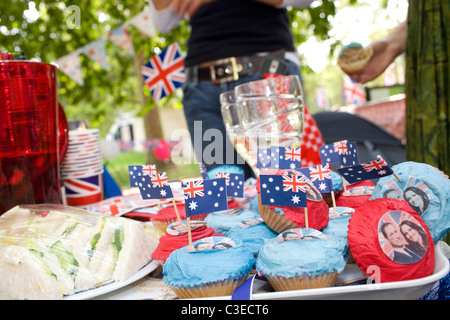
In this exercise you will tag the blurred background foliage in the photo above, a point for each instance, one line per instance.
(45, 30)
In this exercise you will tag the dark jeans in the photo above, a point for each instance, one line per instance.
(202, 111)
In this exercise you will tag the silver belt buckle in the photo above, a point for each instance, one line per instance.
(224, 70)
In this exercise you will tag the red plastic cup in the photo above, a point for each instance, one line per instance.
(33, 134)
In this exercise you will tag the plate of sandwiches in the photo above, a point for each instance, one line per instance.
(55, 252)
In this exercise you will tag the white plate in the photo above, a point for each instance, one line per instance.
(410, 289)
(109, 287)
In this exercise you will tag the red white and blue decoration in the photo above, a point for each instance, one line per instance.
(205, 196)
(137, 173)
(235, 183)
(320, 175)
(283, 190)
(83, 191)
(155, 186)
(353, 92)
(279, 158)
(343, 152)
(164, 73)
(366, 171)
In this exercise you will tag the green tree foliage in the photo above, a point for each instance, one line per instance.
(53, 32)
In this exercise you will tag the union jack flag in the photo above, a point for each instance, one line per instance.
(194, 188)
(205, 196)
(165, 72)
(366, 171)
(155, 187)
(279, 158)
(225, 175)
(374, 165)
(149, 170)
(353, 91)
(283, 190)
(343, 152)
(83, 191)
(320, 175)
(235, 183)
(294, 183)
(159, 180)
(292, 154)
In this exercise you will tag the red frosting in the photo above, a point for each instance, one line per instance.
(318, 211)
(354, 201)
(365, 246)
(169, 243)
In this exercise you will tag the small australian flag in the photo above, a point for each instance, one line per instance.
(366, 171)
(205, 196)
(343, 152)
(137, 172)
(279, 158)
(155, 187)
(320, 175)
(283, 190)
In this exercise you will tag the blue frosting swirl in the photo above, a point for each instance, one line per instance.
(432, 185)
(223, 221)
(252, 236)
(336, 181)
(184, 268)
(305, 257)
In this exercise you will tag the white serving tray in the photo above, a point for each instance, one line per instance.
(404, 290)
(113, 286)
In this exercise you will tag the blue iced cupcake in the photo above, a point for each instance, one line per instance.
(300, 259)
(223, 221)
(252, 233)
(338, 223)
(425, 188)
(214, 267)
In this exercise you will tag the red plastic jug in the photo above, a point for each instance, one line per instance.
(33, 133)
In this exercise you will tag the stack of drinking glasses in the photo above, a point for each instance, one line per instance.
(262, 114)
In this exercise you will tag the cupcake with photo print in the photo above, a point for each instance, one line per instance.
(301, 259)
(390, 242)
(214, 266)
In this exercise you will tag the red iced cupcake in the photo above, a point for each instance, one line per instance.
(177, 237)
(356, 194)
(281, 218)
(390, 242)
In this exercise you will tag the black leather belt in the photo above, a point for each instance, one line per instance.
(229, 69)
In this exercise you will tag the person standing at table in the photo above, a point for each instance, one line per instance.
(425, 39)
(231, 42)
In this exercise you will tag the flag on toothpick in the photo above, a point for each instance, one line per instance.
(279, 158)
(205, 196)
(165, 72)
(366, 171)
(320, 175)
(136, 173)
(155, 187)
(283, 190)
(235, 183)
(342, 151)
